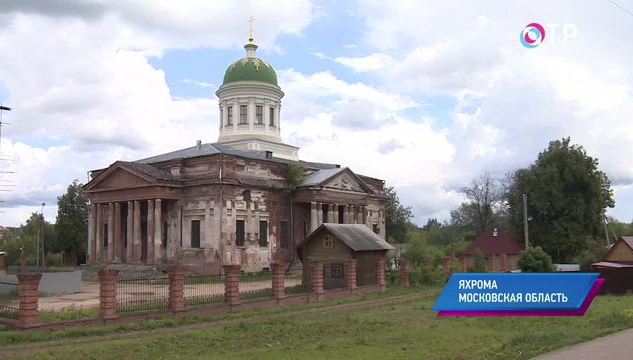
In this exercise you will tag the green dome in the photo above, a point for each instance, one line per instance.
(250, 69)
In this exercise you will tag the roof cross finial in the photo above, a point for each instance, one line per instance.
(251, 20)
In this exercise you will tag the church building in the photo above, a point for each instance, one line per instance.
(231, 201)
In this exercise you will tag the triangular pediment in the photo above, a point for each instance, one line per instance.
(346, 180)
(118, 176)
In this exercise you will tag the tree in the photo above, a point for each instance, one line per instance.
(534, 259)
(484, 194)
(465, 216)
(72, 224)
(294, 176)
(567, 199)
(431, 223)
(398, 217)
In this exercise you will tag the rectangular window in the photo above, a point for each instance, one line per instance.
(328, 243)
(221, 116)
(229, 115)
(337, 271)
(263, 233)
(272, 116)
(163, 239)
(376, 229)
(285, 239)
(239, 233)
(195, 234)
(105, 235)
(243, 116)
(259, 114)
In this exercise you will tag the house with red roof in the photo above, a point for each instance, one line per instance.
(499, 247)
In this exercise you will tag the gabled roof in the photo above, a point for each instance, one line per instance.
(145, 171)
(320, 176)
(150, 170)
(221, 148)
(357, 237)
(323, 176)
(627, 240)
(503, 243)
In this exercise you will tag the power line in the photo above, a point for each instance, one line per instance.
(621, 8)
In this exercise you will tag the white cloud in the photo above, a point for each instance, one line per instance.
(371, 62)
(202, 84)
(88, 86)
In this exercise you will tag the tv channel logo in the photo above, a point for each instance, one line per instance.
(533, 34)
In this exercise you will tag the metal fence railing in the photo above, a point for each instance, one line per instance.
(9, 300)
(204, 289)
(256, 285)
(142, 291)
(296, 289)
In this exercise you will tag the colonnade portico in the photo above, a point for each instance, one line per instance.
(127, 231)
(331, 213)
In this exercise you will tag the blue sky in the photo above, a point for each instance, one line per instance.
(426, 95)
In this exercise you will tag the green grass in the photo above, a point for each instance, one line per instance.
(399, 331)
(70, 313)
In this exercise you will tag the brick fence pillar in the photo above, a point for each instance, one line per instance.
(29, 284)
(107, 294)
(404, 274)
(380, 273)
(351, 274)
(504, 262)
(176, 288)
(317, 277)
(231, 284)
(279, 287)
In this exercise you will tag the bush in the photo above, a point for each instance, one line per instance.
(425, 275)
(534, 259)
(585, 260)
(418, 251)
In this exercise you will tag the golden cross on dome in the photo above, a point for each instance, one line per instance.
(251, 20)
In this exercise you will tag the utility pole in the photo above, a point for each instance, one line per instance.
(42, 234)
(525, 221)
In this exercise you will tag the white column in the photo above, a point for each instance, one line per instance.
(336, 218)
(313, 216)
(150, 232)
(251, 113)
(137, 231)
(92, 234)
(346, 214)
(99, 234)
(330, 213)
(118, 242)
(360, 220)
(111, 236)
(158, 230)
(130, 233)
(236, 114)
(381, 223)
(319, 214)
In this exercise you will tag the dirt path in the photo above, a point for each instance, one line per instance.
(29, 348)
(612, 347)
(89, 297)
